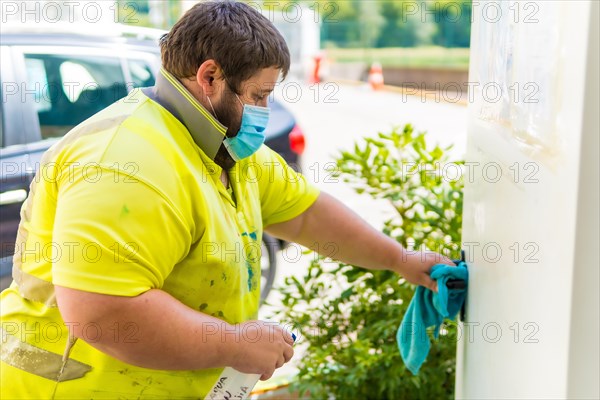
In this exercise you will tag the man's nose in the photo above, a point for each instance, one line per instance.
(263, 103)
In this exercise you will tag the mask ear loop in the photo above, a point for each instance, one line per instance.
(241, 102)
(211, 106)
(233, 91)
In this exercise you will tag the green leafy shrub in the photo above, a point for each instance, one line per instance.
(347, 316)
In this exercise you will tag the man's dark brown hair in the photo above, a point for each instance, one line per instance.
(240, 39)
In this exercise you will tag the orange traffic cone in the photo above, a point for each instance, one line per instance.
(316, 73)
(376, 76)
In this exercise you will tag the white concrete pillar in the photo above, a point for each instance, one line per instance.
(531, 203)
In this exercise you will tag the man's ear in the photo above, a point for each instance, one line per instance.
(207, 74)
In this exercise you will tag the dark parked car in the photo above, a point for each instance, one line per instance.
(53, 79)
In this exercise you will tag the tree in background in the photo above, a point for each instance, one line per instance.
(160, 14)
(397, 31)
(340, 23)
(453, 23)
(398, 23)
(347, 23)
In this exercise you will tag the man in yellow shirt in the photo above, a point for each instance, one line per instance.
(136, 271)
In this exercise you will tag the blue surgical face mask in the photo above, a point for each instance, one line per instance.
(251, 134)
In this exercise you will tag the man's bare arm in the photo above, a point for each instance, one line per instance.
(332, 227)
(155, 330)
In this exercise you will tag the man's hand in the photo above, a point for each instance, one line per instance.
(415, 267)
(262, 348)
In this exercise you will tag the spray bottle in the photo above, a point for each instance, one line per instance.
(233, 384)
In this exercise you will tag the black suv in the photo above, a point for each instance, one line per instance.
(53, 79)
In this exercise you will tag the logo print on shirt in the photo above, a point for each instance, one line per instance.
(252, 280)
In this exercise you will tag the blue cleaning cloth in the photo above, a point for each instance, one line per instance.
(426, 309)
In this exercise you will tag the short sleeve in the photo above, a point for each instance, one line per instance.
(114, 234)
(284, 193)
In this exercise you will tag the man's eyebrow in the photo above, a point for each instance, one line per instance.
(264, 91)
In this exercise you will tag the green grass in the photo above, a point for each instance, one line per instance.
(416, 57)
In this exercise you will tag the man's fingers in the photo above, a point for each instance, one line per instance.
(288, 353)
(448, 261)
(431, 285)
(287, 336)
(267, 375)
(436, 258)
(280, 362)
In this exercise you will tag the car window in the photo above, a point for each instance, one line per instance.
(141, 73)
(37, 82)
(68, 89)
(77, 77)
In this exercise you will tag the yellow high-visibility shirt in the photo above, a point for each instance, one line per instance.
(124, 203)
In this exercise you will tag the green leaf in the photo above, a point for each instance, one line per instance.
(346, 293)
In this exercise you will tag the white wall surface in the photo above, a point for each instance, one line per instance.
(531, 203)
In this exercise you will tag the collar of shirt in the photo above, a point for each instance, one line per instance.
(206, 131)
